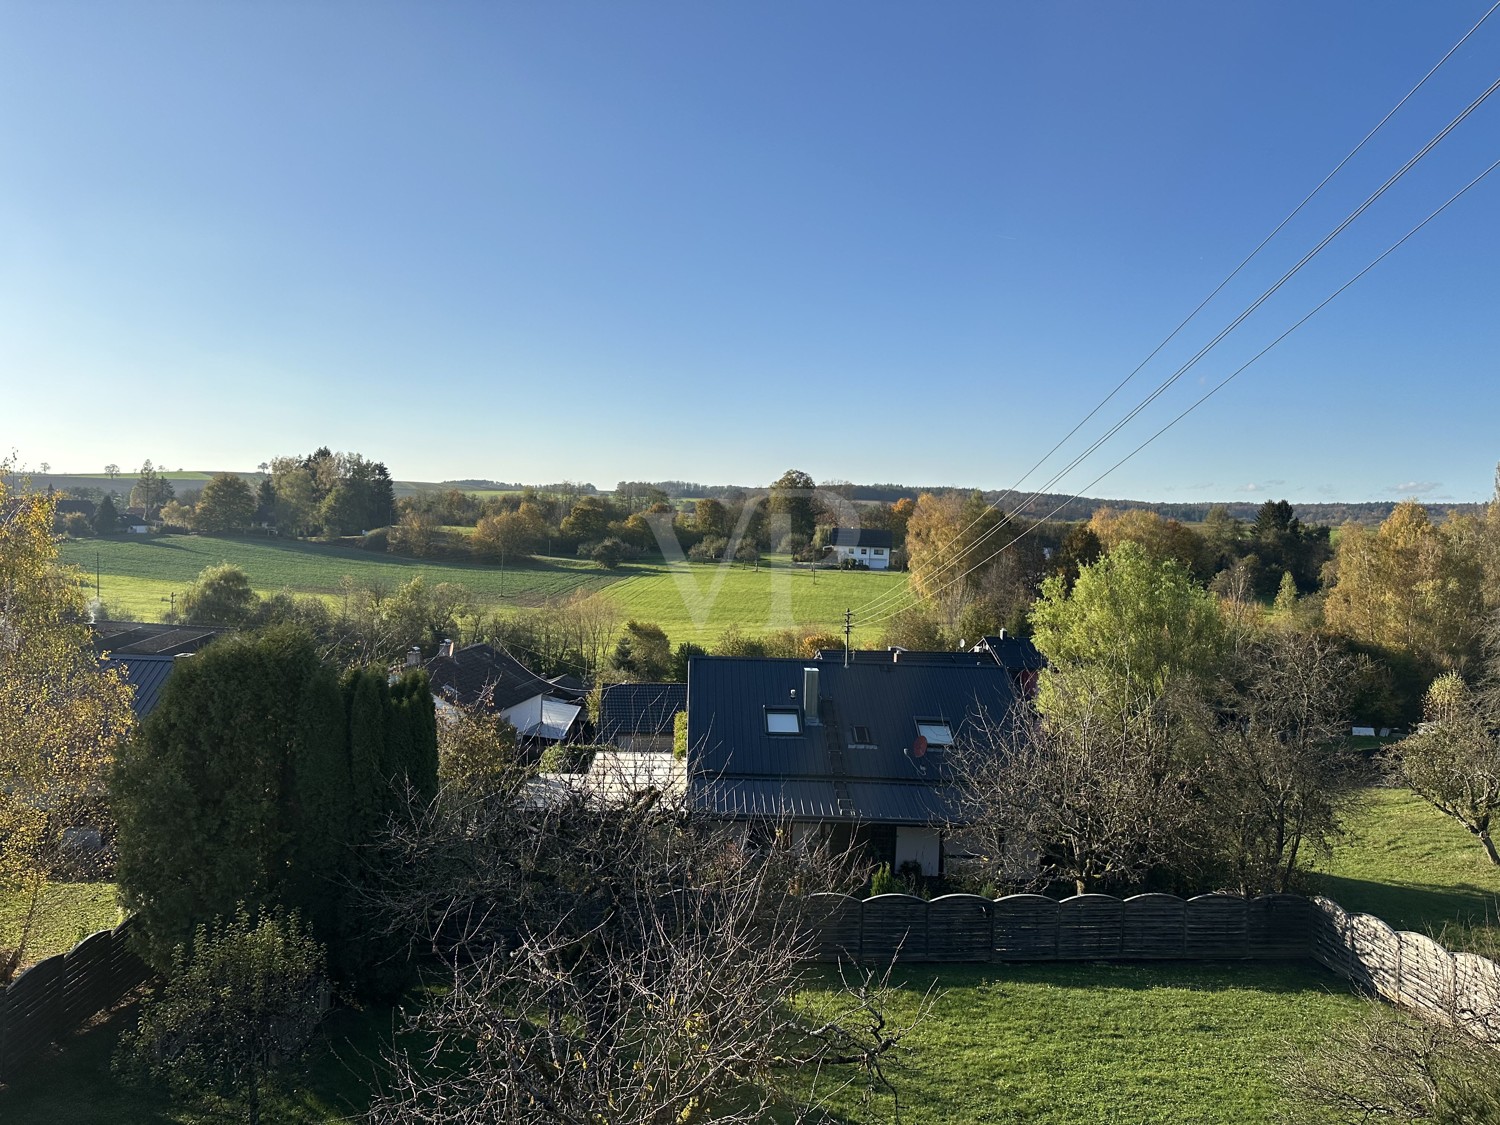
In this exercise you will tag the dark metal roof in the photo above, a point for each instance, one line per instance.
(626, 709)
(1015, 653)
(904, 656)
(873, 773)
(860, 537)
(143, 638)
(482, 674)
(146, 675)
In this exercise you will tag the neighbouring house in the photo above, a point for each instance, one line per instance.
(146, 638)
(147, 652)
(62, 509)
(1017, 655)
(146, 676)
(862, 545)
(855, 755)
(480, 675)
(640, 716)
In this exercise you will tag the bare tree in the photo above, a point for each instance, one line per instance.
(1392, 1067)
(612, 959)
(1099, 798)
(1275, 774)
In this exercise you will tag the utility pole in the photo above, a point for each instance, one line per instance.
(502, 572)
(848, 629)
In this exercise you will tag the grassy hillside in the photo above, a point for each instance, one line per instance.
(697, 601)
(693, 602)
(1403, 861)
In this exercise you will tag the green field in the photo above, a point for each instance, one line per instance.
(691, 601)
(1405, 862)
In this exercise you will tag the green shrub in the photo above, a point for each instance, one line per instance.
(883, 882)
(567, 757)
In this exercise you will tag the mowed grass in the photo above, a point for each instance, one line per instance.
(1407, 863)
(1128, 1044)
(691, 601)
(67, 914)
(1042, 1045)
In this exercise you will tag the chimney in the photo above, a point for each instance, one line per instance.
(810, 697)
(413, 656)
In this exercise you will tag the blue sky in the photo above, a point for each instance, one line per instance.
(875, 241)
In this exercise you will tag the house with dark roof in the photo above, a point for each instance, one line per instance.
(854, 754)
(640, 716)
(145, 675)
(1017, 655)
(480, 675)
(146, 638)
(866, 545)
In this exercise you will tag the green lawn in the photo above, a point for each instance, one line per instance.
(1043, 1045)
(69, 912)
(1128, 1044)
(1405, 862)
(691, 601)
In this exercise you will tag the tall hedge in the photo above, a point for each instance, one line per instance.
(263, 778)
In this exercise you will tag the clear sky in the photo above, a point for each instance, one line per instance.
(898, 242)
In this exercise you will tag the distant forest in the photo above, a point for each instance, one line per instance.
(1059, 506)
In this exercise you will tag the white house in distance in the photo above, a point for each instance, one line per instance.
(865, 545)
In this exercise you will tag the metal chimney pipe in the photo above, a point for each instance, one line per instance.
(810, 697)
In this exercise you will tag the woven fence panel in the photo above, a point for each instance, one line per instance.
(1279, 926)
(1427, 976)
(1025, 928)
(1476, 990)
(1217, 927)
(1331, 946)
(894, 927)
(960, 928)
(1090, 927)
(836, 920)
(1377, 956)
(1155, 927)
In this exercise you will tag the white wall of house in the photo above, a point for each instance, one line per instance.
(876, 558)
(920, 845)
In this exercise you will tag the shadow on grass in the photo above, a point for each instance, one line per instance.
(1275, 977)
(73, 1083)
(1421, 907)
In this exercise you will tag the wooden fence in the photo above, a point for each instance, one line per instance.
(1410, 970)
(57, 995)
(1085, 928)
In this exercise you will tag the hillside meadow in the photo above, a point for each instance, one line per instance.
(692, 601)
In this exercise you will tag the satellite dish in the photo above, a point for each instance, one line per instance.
(919, 747)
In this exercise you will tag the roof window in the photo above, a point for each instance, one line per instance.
(937, 732)
(783, 720)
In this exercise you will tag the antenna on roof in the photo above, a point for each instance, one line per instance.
(848, 629)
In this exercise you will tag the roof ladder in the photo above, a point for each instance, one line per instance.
(838, 769)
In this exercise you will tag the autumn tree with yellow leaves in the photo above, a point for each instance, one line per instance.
(61, 713)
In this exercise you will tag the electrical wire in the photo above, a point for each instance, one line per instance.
(1218, 386)
(1221, 335)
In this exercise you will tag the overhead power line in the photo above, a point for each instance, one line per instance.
(1223, 333)
(1209, 297)
(1223, 382)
